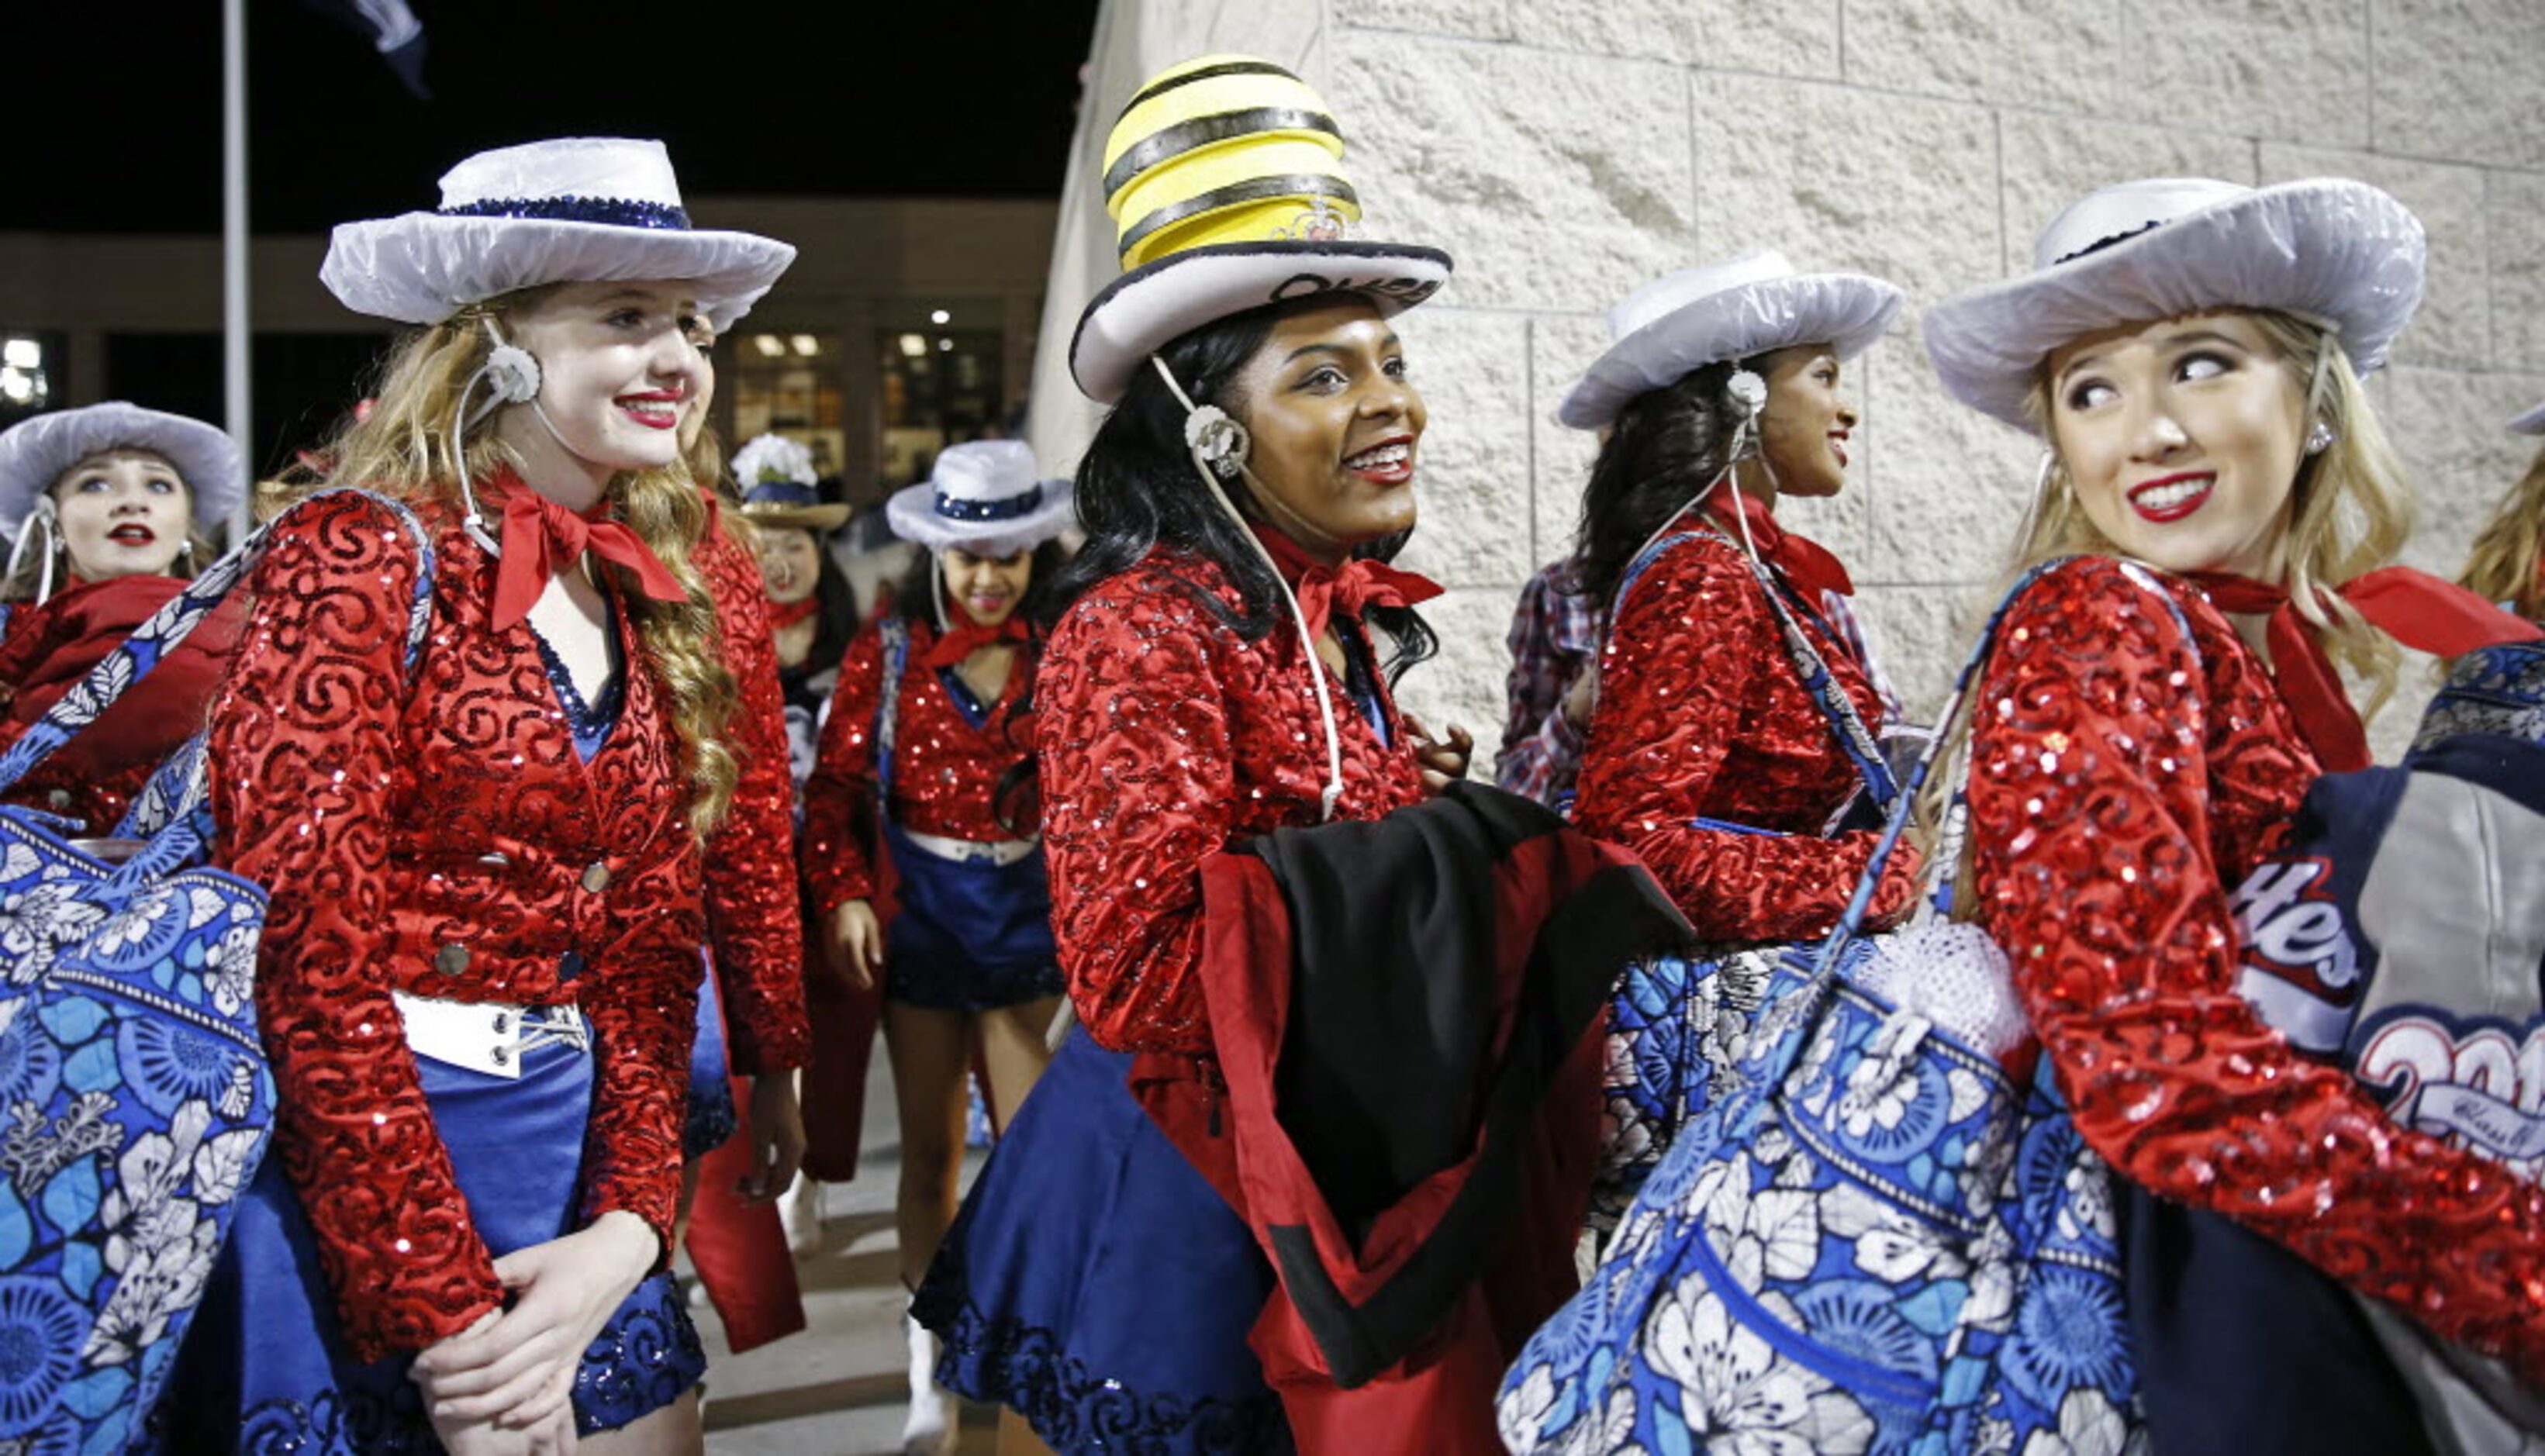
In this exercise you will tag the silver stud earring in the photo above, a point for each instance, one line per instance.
(2319, 438)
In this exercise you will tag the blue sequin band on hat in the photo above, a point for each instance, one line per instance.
(1006, 509)
(782, 493)
(617, 211)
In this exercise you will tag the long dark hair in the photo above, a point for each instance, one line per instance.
(1667, 444)
(1016, 798)
(1136, 490)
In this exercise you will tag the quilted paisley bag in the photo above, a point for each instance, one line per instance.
(1679, 1023)
(1875, 1241)
(135, 1097)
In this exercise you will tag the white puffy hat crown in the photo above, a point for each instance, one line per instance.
(1681, 322)
(987, 496)
(2338, 252)
(579, 209)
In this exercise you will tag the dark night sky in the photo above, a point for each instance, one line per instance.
(119, 119)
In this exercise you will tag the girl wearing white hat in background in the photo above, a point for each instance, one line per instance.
(929, 735)
(109, 506)
(2507, 563)
(479, 977)
(1715, 753)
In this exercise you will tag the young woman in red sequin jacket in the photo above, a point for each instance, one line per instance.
(1708, 754)
(488, 865)
(105, 502)
(2141, 739)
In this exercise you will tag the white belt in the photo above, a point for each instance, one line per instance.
(996, 852)
(486, 1036)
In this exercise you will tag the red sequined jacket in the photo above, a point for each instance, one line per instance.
(946, 772)
(1167, 737)
(1702, 715)
(50, 648)
(754, 926)
(438, 835)
(2124, 781)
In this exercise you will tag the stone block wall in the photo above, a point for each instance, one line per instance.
(1567, 150)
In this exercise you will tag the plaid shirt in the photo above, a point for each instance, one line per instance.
(1554, 635)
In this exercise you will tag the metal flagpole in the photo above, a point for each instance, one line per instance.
(234, 247)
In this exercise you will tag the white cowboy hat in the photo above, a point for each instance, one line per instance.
(780, 487)
(34, 452)
(1225, 178)
(2335, 252)
(2530, 422)
(581, 209)
(987, 497)
(1681, 322)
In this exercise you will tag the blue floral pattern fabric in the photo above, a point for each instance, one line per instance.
(1870, 1240)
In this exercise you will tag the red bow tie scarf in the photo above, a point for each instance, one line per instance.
(1804, 564)
(968, 637)
(1350, 588)
(543, 538)
(2412, 607)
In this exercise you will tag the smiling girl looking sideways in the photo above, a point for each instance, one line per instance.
(478, 978)
(2189, 351)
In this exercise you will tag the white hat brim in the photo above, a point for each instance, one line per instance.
(34, 452)
(424, 267)
(2530, 422)
(2331, 250)
(1846, 310)
(912, 513)
(1149, 307)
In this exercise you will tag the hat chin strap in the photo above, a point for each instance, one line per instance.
(39, 522)
(1334, 788)
(511, 373)
(1745, 435)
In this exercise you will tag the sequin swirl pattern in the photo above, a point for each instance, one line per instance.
(945, 772)
(1702, 716)
(439, 836)
(2124, 781)
(1167, 737)
(754, 926)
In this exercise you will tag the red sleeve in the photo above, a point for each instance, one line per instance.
(1683, 676)
(306, 729)
(2100, 761)
(1137, 778)
(755, 925)
(840, 795)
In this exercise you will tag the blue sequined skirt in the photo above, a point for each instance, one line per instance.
(714, 1117)
(1098, 1285)
(265, 1369)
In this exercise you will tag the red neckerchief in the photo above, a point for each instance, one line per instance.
(2412, 607)
(1350, 588)
(1804, 564)
(543, 538)
(784, 615)
(960, 642)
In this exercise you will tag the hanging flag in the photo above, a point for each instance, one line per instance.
(392, 28)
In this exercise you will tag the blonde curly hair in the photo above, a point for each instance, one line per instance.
(402, 448)
(2504, 565)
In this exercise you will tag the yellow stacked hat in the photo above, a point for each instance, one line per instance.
(1224, 177)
